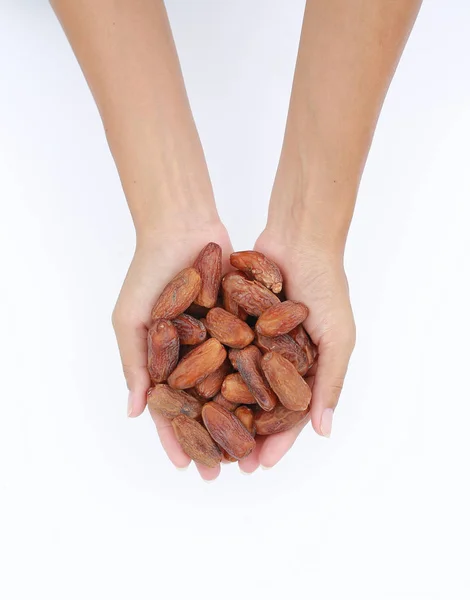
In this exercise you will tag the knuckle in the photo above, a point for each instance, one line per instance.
(342, 339)
(116, 318)
(347, 337)
(120, 319)
(129, 374)
(351, 337)
(336, 387)
(135, 376)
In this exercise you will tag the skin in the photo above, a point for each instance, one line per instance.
(348, 53)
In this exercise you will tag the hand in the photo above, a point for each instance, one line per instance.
(317, 279)
(157, 259)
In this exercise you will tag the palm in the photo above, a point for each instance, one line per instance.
(320, 283)
(314, 280)
(154, 264)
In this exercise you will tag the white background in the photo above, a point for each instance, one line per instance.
(90, 506)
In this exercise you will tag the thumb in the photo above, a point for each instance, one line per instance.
(132, 342)
(333, 360)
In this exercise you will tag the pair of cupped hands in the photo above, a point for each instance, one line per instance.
(311, 275)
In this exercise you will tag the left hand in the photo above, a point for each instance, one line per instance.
(316, 278)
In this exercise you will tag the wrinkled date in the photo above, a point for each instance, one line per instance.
(227, 430)
(170, 403)
(278, 420)
(196, 441)
(247, 363)
(235, 390)
(286, 382)
(228, 329)
(190, 330)
(210, 385)
(163, 350)
(285, 345)
(253, 297)
(227, 359)
(229, 303)
(259, 267)
(281, 318)
(197, 364)
(247, 418)
(301, 337)
(209, 266)
(178, 295)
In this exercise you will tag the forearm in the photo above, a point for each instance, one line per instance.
(127, 54)
(348, 53)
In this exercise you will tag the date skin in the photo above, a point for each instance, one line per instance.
(230, 406)
(227, 430)
(190, 330)
(247, 418)
(253, 297)
(281, 318)
(228, 303)
(228, 329)
(286, 346)
(163, 350)
(301, 337)
(197, 364)
(196, 441)
(278, 420)
(234, 389)
(177, 295)
(170, 403)
(288, 385)
(209, 265)
(247, 363)
(210, 385)
(258, 266)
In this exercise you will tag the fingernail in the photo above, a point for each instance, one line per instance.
(208, 480)
(326, 422)
(265, 468)
(182, 468)
(129, 405)
(244, 472)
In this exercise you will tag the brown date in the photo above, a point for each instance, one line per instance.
(247, 363)
(177, 295)
(163, 350)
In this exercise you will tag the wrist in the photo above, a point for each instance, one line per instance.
(163, 172)
(179, 225)
(179, 230)
(168, 195)
(166, 217)
(312, 207)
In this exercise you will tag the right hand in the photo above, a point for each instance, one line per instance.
(158, 258)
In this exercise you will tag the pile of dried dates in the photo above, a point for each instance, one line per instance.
(227, 358)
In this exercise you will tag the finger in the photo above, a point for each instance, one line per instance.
(208, 473)
(278, 444)
(333, 360)
(249, 464)
(132, 342)
(169, 442)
